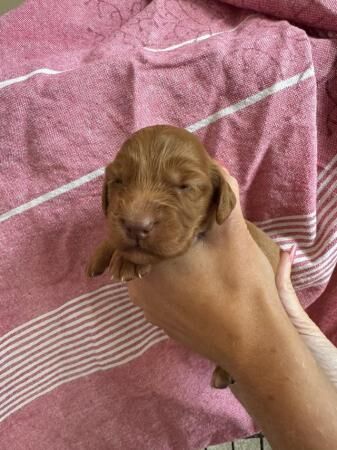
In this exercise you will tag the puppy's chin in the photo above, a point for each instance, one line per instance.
(142, 256)
(139, 256)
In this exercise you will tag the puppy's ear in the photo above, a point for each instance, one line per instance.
(105, 190)
(223, 196)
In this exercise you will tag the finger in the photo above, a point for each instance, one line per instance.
(283, 281)
(285, 288)
(290, 301)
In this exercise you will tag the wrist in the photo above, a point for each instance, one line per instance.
(266, 341)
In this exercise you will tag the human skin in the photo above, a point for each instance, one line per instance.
(220, 299)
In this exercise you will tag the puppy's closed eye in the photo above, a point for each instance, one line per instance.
(183, 186)
(117, 180)
(112, 181)
(186, 182)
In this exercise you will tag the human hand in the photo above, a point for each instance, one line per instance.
(322, 349)
(219, 298)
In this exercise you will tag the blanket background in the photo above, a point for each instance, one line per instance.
(257, 81)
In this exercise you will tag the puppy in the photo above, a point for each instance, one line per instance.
(160, 194)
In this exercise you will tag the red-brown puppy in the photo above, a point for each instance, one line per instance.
(160, 194)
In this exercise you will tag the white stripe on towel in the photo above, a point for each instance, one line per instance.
(94, 332)
(197, 39)
(261, 95)
(43, 71)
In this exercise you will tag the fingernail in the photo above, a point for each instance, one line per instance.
(292, 253)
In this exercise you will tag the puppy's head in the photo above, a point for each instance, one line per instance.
(160, 192)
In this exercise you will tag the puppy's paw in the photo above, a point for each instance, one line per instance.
(100, 260)
(93, 268)
(221, 379)
(123, 270)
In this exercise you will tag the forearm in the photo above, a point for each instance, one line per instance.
(281, 386)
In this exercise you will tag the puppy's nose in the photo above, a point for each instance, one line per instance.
(138, 230)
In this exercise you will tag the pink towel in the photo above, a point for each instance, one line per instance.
(79, 366)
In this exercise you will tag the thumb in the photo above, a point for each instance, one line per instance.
(322, 349)
(284, 286)
(288, 297)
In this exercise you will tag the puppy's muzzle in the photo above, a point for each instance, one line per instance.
(138, 230)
